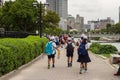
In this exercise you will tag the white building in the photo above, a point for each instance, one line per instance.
(63, 24)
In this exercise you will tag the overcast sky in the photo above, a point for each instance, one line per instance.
(93, 9)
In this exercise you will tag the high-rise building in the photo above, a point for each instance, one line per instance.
(1, 3)
(59, 6)
(79, 23)
(70, 22)
(119, 13)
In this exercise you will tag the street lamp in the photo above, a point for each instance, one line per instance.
(40, 16)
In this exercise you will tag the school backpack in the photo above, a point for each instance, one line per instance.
(82, 50)
(70, 47)
(49, 48)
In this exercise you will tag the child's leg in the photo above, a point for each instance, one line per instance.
(49, 59)
(71, 61)
(68, 61)
(85, 66)
(53, 60)
(81, 67)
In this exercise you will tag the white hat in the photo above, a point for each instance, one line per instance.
(82, 35)
(52, 38)
(85, 37)
(69, 38)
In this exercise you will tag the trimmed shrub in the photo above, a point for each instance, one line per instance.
(95, 47)
(15, 52)
(107, 49)
(102, 49)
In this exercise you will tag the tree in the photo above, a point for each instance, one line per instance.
(19, 15)
(50, 23)
(51, 18)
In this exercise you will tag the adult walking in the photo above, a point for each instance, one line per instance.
(83, 56)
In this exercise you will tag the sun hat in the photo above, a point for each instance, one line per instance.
(52, 38)
(69, 38)
(85, 37)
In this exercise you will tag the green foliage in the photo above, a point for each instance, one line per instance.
(106, 49)
(102, 49)
(19, 15)
(53, 31)
(6, 60)
(95, 47)
(52, 18)
(15, 52)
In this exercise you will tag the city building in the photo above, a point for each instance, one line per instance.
(86, 27)
(63, 24)
(100, 24)
(70, 22)
(1, 3)
(94, 25)
(59, 6)
(103, 22)
(79, 24)
(75, 23)
(119, 13)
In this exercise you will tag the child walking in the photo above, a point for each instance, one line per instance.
(69, 51)
(83, 56)
(50, 50)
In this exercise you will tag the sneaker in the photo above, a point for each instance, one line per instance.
(70, 64)
(53, 65)
(116, 74)
(48, 66)
(80, 71)
(85, 71)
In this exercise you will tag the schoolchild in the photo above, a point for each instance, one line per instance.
(83, 56)
(69, 51)
(51, 51)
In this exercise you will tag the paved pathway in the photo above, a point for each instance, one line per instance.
(98, 69)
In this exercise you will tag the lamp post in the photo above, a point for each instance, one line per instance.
(40, 17)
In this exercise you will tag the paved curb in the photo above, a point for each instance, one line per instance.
(105, 58)
(6, 76)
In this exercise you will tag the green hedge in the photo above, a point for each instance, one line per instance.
(102, 49)
(15, 52)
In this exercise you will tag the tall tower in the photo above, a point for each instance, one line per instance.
(119, 13)
(52, 5)
(59, 6)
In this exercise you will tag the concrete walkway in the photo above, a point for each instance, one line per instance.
(98, 69)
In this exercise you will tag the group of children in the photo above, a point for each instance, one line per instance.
(83, 56)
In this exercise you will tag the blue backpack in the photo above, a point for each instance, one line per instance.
(82, 50)
(49, 48)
